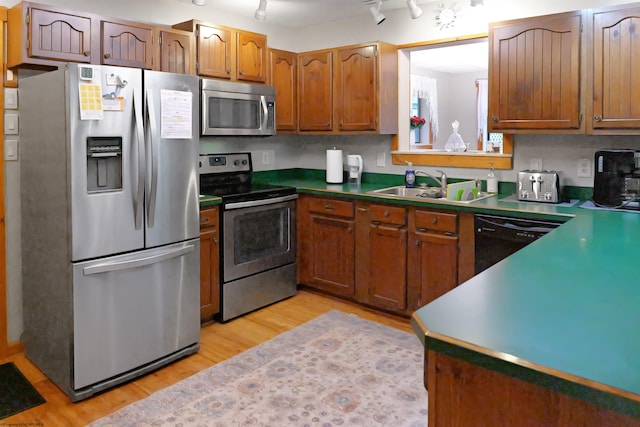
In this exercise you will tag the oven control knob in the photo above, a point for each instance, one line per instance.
(236, 162)
(244, 162)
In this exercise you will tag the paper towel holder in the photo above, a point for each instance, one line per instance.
(334, 172)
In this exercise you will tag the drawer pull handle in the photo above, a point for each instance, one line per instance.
(386, 213)
(329, 208)
(362, 209)
(422, 229)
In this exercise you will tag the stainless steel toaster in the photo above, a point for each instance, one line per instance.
(538, 186)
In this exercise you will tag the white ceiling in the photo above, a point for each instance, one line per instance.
(464, 58)
(302, 13)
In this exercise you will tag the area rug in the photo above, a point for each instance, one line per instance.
(335, 370)
(16, 392)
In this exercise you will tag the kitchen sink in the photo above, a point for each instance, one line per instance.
(433, 194)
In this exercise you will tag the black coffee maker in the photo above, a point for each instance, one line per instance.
(617, 177)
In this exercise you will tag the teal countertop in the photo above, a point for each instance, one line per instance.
(567, 305)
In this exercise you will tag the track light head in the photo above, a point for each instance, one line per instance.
(261, 11)
(414, 10)
(199, 2)
(475, 3)
(377, 15)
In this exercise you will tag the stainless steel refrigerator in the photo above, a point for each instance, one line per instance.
(110, 248)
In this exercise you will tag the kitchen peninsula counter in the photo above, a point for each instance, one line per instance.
(553, 329)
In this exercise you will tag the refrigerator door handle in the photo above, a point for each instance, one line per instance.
(134, 263)
(139, 199)
(151, 115)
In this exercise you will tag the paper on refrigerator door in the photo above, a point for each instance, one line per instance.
(175, 114)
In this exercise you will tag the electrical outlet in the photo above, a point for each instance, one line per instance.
(584, 168)
(381, 160)
(535, 164)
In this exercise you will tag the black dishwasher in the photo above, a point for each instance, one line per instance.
(497, 237)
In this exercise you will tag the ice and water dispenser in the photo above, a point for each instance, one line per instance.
(104, 164)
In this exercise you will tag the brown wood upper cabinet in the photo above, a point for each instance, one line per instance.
(616, 82)
(283, 69)
(127, 44)
(176, 51)
(228, 53)
(535, 73)
(350, 89)
(40, 34)
(315, 91)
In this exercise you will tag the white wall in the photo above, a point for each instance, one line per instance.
(558, 152)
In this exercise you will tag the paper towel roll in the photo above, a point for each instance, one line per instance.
(334, 166)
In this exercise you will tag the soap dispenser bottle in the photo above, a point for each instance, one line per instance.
(492, 181)
(410, 176)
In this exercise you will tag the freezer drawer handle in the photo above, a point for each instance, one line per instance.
(125, 265)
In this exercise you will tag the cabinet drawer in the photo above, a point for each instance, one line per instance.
(208, 218)
(388, 214)
(436, 221)
(332, 207)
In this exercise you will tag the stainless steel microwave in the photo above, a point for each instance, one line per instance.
(237, 109)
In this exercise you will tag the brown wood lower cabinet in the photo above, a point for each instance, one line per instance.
(392, 257)
(209, 263)
(326, 244)
(465, 394)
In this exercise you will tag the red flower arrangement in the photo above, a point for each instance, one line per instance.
(416, 122)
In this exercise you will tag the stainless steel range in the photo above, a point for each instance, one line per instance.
(258, 234)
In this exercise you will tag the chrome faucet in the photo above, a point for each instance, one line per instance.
(442, 182)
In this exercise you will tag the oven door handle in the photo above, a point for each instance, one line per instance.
(261, 202)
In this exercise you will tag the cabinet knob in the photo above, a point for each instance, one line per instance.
(597, 118)
(386, 214)
(327, 124)
(228, 71)
(434, 219)
(494, 119)
(240, 72)
(87, 53)
(107, 55)
(215, 240)
(417, 242)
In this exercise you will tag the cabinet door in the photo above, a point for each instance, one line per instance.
(436, 268)
(214, 52)
(209, 265)
(332, 255)
(59, 36)
(534, 73)
(616, 60)
(315, 91)
(127, 45)
(176, 52)
(356, 95)
(388, 267)
(251, 57)
(282, 75)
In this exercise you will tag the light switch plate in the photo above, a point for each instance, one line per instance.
(584, 168)
(10, 123)
(10, 98)
(11, 149)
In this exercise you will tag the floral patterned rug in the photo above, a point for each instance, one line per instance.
(335, 370)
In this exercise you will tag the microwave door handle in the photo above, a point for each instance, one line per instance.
(139, 141)
(265, 113)
(153, 190)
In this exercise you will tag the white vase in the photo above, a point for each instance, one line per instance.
(412, 136)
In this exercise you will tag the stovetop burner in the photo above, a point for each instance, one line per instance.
(229, 176)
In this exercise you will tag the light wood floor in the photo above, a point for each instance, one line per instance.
(218, 342)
